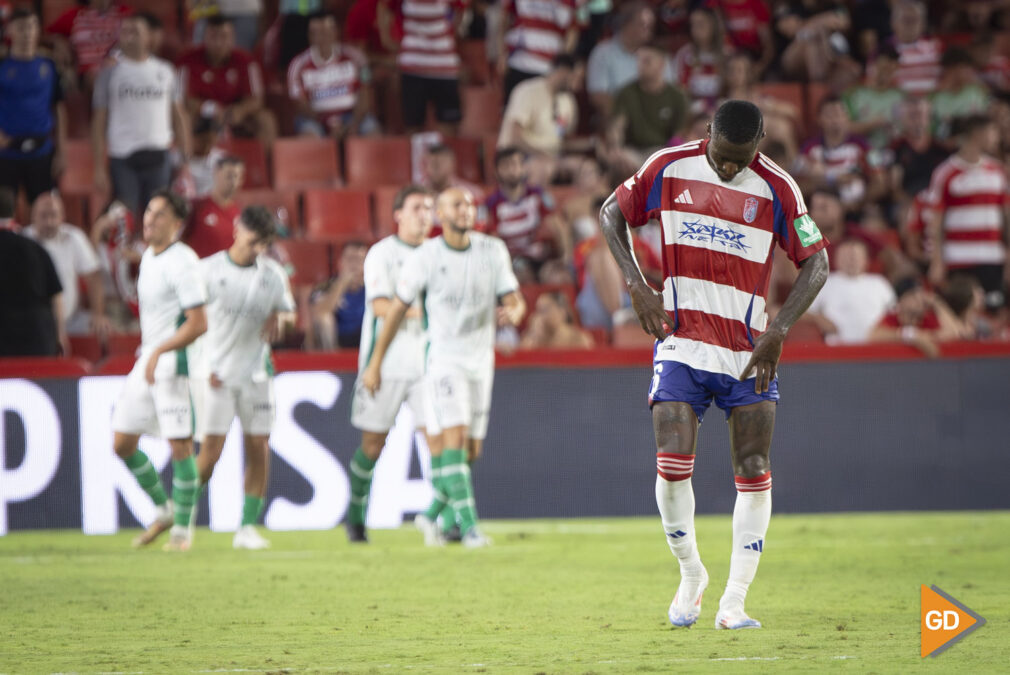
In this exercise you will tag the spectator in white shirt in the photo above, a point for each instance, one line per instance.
(852, 301)
(74, 259)
(138, 113)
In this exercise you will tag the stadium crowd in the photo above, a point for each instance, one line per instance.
(894, 117)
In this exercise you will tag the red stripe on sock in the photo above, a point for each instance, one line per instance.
(755, 484)
(674, 467)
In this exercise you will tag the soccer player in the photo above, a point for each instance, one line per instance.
(403, 369)
(462, 276)
(249, 301)
(723, 206)
(156, 397)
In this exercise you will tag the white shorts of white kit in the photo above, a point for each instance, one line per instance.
(377, 413)
(253, 403)
(163, 409)
(457, 398)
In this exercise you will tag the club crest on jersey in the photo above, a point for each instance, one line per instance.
(750, 210)
(698, 231)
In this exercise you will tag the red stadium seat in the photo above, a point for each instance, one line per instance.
(375, 161)
(384, 196)
(86, 347)
(805, 330)
(489, 143)
(482, 110)
(123, 344)
(338, 215)
(250, 150)
(310, 259)
(305, 163)
(79, 175)
(284, 205)
(468, 160)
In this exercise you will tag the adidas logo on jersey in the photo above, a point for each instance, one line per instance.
(684, 198)
(758, 546)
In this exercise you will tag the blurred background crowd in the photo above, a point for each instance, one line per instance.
(892, 115)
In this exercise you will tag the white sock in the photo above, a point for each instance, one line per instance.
(675, 499)
(751, 514)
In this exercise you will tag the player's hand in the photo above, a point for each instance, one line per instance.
(271, 331)
(215, 381)
(152, 364)
(371, 380)
(509, 316)
(764, 361)
(648, 305)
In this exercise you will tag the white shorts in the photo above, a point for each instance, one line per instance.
(378, 413)
(163, 409)
(456, 399)
(253, 402)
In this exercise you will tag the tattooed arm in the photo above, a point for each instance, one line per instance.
(768, 347)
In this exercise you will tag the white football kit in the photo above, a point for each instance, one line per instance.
(460, 291)
(403, 366)
(168, 285)
(240, 299)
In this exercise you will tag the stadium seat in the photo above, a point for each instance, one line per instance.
(86, 347)
(305, 163)
(123, 344)
(283, 204)
(805, 330)
(815, 93)
(79, 175)
(475, 66)
(468, 160)
(78, 114)
(383, 197)
(372, 161)
(338, 215)
(310, 260)
(52, 9)
(482, 111)
(255, 157)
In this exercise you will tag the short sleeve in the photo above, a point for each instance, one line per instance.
(100, 98)
(295, 90)
(936, 194)
(413, 276)
(378, 280)
(285, 301)
(177, 93)
(187, 282)
(798, 234)
(639, 197)
(519, 107)
(505, 278)
(597, 81)
(85, 258)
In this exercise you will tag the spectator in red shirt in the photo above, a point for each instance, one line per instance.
(331, 85)
(85, 35)
(224, 82)
(748, 28)
(840, 159)
(523, 216)
(919, 319)
(213, 217)
(918, 55)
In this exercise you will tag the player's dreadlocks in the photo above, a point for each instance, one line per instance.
(739, 122)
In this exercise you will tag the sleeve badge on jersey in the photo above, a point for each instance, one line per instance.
(807, 230)
(750, 209)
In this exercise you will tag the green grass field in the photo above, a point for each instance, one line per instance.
(838, 592)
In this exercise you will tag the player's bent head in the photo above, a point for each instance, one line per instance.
(738, 122)
(259, 221)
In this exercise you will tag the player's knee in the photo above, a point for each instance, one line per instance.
(181, 448)
(257, 449)
(372, 444)
(753, 465)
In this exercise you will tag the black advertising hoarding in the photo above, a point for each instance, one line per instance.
(562, 442)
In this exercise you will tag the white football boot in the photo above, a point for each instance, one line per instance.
(686, 605)
(248, 538)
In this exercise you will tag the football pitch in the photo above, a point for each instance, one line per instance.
(835, 592)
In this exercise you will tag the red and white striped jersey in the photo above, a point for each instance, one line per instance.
(718, 240)
(329, 85)
(517, 222)
(918, 65)
(698, 73)
(538, 32)
(972, 198)
(428, 47)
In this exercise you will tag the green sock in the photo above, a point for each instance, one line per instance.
(185, 489)
(460, 491)
(361, 484)
(438, 500)
(251, 510)
(144, 472)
